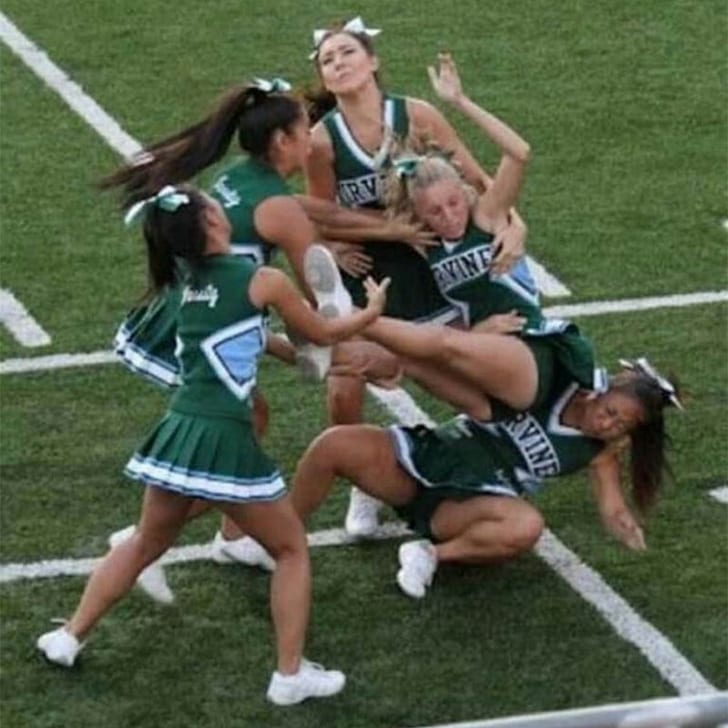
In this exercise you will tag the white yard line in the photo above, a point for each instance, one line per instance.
(38, 61)
(658, 649)
(24, 328)
(720, 494)
(630, 305)
(593, 308)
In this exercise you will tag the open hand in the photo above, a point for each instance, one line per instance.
(510, 244)
(351, 259)
(376, 293)
(622, 525)
(446, 80)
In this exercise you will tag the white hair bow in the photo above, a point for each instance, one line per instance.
(274, 85)
(355, 26)
(169, 198)
(644, 367)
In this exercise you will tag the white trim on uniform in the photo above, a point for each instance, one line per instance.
(206, 485)
(554, 422)
(353, 145)
(249, 250)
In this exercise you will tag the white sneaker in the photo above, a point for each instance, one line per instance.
(245, 550)
(59, 646)
(418, 563)
(313, 362)
(362, 516)
(322, 275)
(311, 681)
(152, 581)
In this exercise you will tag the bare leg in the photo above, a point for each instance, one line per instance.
(261, 417)
(464, 397)
(277, 527)
(163, 515)
(361, 453)
(503, 367)
(485, 529)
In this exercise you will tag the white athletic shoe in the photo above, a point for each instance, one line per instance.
(313, 362)
(311, 681)
(152, 581)
(418, 564)
(362, 516)
(322, 275)
(245, 550)
(60, 647)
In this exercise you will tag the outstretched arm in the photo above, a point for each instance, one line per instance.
(604, 474)
(272, 287)
(502, 194)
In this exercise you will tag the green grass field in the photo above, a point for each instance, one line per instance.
(625, 107)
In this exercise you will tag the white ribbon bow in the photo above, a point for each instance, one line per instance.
(644, 366)
(275, 85)
(168, 198)
(355, 26)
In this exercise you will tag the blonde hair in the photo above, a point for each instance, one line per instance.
(434, 166)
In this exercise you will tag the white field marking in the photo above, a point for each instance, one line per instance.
(725, 224)
(56, 361)
(39, 62)
(24, 328)
(548, 284)
(108, 128)
(119, 140)
(720, 494)
(50, 568)
(593, 308)
(629, 305)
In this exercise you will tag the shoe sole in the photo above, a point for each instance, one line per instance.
(322, 275)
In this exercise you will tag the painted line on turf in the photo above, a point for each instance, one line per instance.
(720, 494)
(38, 61)
(118, 139)
(18, 321)
(51, 568)
(593, 308)
(631, 305)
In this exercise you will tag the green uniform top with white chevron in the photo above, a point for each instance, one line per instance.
(220, 335)
(412, 294)
(509, 457)
(240, 188)
(462, 271)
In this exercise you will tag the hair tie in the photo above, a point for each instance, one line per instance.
(169, 198)
(355, 26)
(642, 366)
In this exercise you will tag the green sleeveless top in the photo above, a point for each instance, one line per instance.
(220, 335)
(358, 182)
(535, 445)
(462, 272)
(240, 188)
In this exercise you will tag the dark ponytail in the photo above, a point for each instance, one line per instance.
(649, 440)
(251, 112)
(174, 235)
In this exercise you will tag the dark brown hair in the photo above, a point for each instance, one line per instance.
(246, 110)
(649, 440)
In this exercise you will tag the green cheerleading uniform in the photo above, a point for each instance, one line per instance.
(462, 272)
(205, 446)
(412, 294)
(145, 341)
(464, 458)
